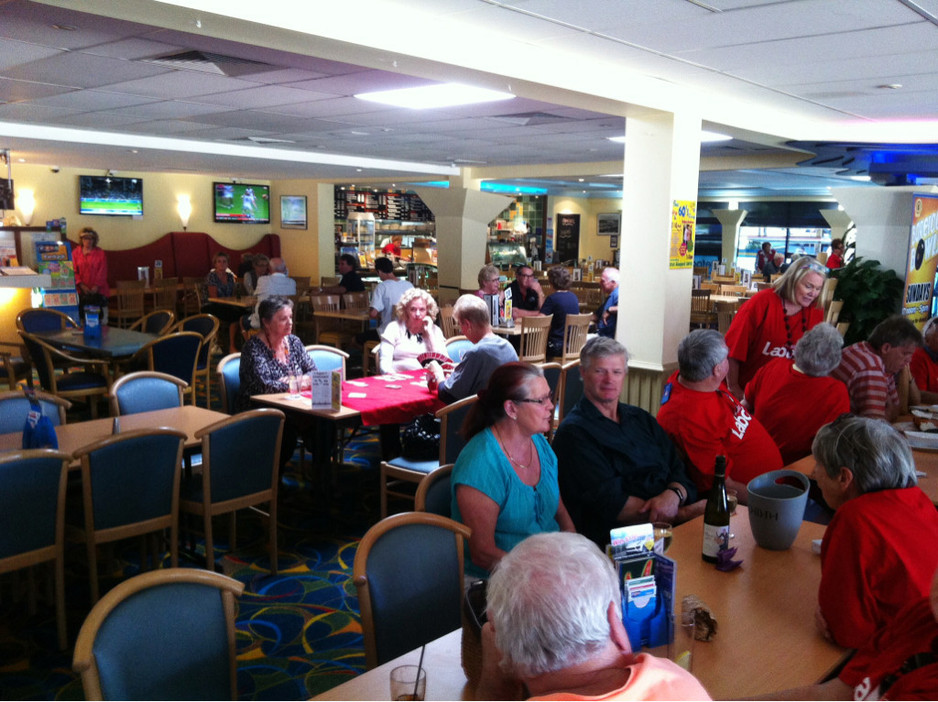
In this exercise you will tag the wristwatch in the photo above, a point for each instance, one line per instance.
(680, 495)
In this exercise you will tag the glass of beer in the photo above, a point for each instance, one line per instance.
(408, 682)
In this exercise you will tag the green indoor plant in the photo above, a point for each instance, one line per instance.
(870, 294)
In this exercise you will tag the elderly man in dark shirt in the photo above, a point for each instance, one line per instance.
(616, 464)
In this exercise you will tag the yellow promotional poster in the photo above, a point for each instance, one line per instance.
(683, 220)
(919, 302)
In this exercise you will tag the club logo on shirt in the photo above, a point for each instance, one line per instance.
(776, 351)
(743, 418)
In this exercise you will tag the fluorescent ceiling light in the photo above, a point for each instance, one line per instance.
(430, 96)
(705, 137)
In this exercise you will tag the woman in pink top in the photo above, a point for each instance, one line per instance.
(90, 272)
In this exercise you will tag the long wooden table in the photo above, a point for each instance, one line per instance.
(188, 418)
(766, 638)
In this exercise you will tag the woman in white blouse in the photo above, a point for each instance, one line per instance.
(411, 334)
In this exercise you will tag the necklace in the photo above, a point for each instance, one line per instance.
(511, 458)
(789, 343)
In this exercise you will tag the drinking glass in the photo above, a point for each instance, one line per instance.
(408, 682)
(293, 383)
(663, 532)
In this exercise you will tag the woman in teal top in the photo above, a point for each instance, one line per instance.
(505, 479)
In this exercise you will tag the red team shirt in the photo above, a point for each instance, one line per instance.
(870, 387)
(924, 370)
(707, 424)
(758, 333)
(779, 396)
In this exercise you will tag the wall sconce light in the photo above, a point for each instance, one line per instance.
(184, 208)
(26, 201)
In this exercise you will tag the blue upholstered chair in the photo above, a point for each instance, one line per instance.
(433, 492)
(91, 382)
(156, 322)
(175, 354)
(328, 358)
(32, 517)
(240, 461)
(207, 326)
(130, 486)
(572, 384)
(43, 319)
(14, 407)
(408, 571)
(168, 634)
(145, 391)
(228, 371)
(456, 346)
(399, 473)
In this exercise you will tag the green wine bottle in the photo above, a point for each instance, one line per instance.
(716, 531)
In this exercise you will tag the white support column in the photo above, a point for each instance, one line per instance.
(662, 160)
(883, 217)
(839, 220)
(462, 216)
(731, 220)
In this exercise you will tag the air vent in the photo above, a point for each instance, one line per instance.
(210, 63)
(530, 119)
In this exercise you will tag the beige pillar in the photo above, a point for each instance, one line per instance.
(662, 160)
(462, 215)
(325, 216)
(731, 221)
(839, 220)
(883, 217)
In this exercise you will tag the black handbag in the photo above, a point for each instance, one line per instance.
(420, 438)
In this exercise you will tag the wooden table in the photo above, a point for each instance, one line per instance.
(508, 331)
(362, 317)
(113, 342)
(766, 639)
(245, 303)
(188, 418)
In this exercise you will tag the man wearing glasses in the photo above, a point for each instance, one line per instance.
(527, 296)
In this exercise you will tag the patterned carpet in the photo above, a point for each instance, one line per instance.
(299, 633)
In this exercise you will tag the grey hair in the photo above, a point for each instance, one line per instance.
(699, 353)
(895, 331)
(799, 268)
(601, 347)
(817, 353)
(487, 272)
(400, 309)
(612, 273)
(559, 277)
(270, 306)
(472, 309)
(878, 456)
(549, 599)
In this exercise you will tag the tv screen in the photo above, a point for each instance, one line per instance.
(243, 203)
(110, 195)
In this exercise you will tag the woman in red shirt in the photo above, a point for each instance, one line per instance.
(835, 259)
(90, 272)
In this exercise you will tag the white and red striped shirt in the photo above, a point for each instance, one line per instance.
(870, 387)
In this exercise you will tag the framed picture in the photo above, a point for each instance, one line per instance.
(293, 211)
(608, 223)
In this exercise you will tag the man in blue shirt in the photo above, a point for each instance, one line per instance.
(607, 314)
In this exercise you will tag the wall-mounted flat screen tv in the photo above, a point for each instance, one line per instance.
(243, 203)
(110, 195)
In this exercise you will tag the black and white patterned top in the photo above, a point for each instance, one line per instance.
(262, 373)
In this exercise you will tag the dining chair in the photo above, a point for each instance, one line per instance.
(228, 371)
(456, 346)
(725, 313)
(167, 634)
(737, 290)
(370, 357)
(86, 383)
(447, 323)
(400, 476)
(207, 325)
(175, 354)
(156, 322)
(575, 330)
(433, 492)
(14, 406)
(43, 319)
(14, 368)
(129, 302)
(145, 391)
(553, 374)
(701, 310)
(165, 295)
(240, 461)
(534, 332)
(32, 519)
(191, 295)
(328, 358)
(355, 301)
(328, 331)
(833, 311)
(130, 487)
(408, 572)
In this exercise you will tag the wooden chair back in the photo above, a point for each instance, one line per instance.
(725, 313)
(733, 289)
(129, 297)
(575, 330)
(447, 323)
(355, 301)
(166, 296)
(833, 311)
(534, 331)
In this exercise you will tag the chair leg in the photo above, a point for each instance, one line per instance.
(384, 493)
(60, 601)
(209, 550)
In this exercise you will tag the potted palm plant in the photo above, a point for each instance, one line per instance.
(869, 292)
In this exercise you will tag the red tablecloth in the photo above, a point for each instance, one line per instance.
(390, 399)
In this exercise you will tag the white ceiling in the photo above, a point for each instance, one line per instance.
(90, 94)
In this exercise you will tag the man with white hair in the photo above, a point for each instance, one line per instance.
(705, 420)
(607, 314)
(555, 623)
(276, 283)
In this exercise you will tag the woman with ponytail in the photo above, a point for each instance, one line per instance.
(505, 479)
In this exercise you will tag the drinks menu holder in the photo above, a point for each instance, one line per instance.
(326, 390)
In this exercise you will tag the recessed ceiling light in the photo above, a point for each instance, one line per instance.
(359, 133)
(432, 96)
(581, 179)
(861, 178)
